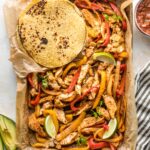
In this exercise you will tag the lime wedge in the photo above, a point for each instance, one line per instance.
(104, 57)
(50, 127)
(112, 128)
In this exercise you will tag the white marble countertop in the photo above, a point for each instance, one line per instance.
(141, 55)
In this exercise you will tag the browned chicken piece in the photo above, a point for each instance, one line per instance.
(50, 76)
(59, 104)
(95, 84)
(35, 125)
(35, 80)
(89, 17)
(86, 106)
(110, 85)
(71, 138)
(58, 73)
(87, 122)
(68, 79)
(61, 82)
(67, 97)
(89, 51)
(88, 131)
(45, 99)
(84, 71)
(111, 105)
(41, 120)
(47, 105)
(33, 92)
(54, 85)
(102, 111)
(60, 114)
(78, 89)
(87, 85)
(109, 72)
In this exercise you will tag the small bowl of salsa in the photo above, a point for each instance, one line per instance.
(142, 16)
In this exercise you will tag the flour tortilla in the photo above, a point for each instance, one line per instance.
(52, 32)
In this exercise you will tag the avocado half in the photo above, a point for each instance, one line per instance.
(52, 32)
(8, 132)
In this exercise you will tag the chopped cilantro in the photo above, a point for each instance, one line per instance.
(95, 114)
(101, 103)
(106, 17)
(44, 83)
(82, 141)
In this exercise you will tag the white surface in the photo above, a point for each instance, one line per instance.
(141, 55)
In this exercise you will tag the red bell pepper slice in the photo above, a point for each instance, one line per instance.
(99, 145)
(89, 5)
(29, 77)
(74, 81)
(120, 91)
(124, 25)
(97, 6)
(105, 127)
(81, 97)
(83, 4)
(117, 11)
(37, 98)
(123, 67)
(108, 35)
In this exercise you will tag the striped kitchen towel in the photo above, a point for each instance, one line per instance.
(143, 108)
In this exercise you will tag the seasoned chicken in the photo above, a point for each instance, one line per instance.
(89, 51)
(89, 130)
(86, 107)
(71, 138)
(89, 17)
(35, 125)
(35, 80)
(87, 122)
(61, 115)
(84, 70)
(111, 105)
(88, 83)
(47, 105)
(102, 111)
(67, 97)
(78, 89)
(33, 92)
(45, 99)
(109, 72)
(95, 84)
(68, 79)
(58, 73)
(50, 76)
(59, 104)
(54, 85)
(61, 82)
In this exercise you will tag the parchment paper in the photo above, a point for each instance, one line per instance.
(23, 65)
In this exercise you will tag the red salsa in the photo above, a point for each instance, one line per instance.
(143, 16)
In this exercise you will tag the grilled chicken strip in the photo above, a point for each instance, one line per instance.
(61, 115)
(111, 105)
(71, 138)
(35, 125)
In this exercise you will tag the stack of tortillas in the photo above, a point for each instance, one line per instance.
(52, 32)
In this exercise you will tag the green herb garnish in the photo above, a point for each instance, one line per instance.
(81, 141)
(44, 83)
(101, 103)
(95, 114)
(106, 17)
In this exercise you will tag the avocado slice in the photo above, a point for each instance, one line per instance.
(1, 144)
(8, 132)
